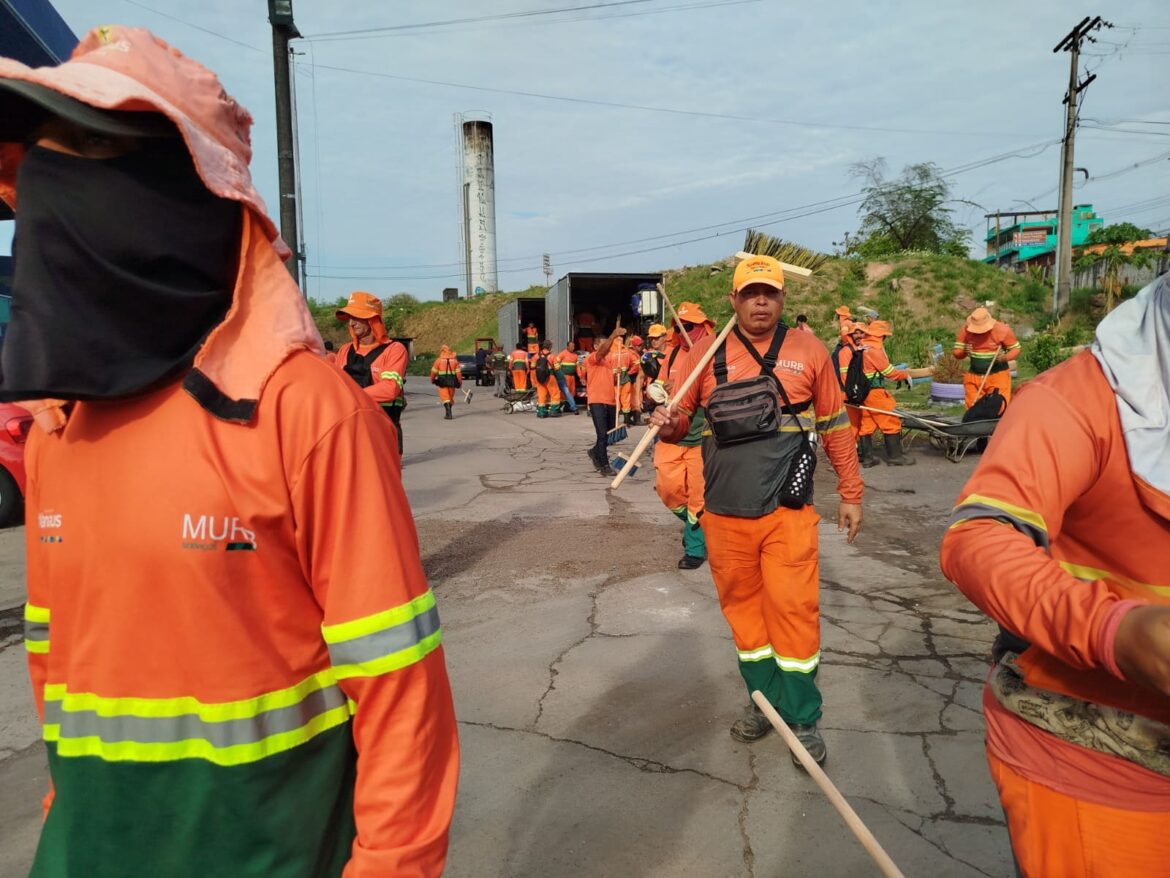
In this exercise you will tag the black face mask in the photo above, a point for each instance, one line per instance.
(122, 268)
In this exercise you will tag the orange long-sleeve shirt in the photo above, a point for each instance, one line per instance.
(388, 372)
(1054, 540)
(805, 370)
(240, 660)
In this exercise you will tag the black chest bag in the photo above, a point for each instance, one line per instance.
(749, 410)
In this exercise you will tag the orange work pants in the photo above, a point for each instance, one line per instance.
(547, 393)
(871, 421)
(1002, 381)
(679, 482)
(520, 379)
(1057, 835)
(447, 394)
(854, 420)
(626, 394)
(766, 573)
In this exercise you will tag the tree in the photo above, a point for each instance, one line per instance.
(906, 213)
(1115, 255)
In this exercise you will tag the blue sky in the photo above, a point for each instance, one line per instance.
(780, 99)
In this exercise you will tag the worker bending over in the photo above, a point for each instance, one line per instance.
(991, 346)
(1061, 536)
(446, 376)
(760, 525)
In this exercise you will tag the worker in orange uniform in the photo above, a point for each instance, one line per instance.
(628, 374)
(651, 362)
(678, 466)
(518, 366)
(567, 369)
(991, 345)
(601, 368)
(762, 551)
(532, 338)
(542, 373)
(446, 375)
(210, 654)
(867, 342)
(375, 362)
(1061, 536)
(586, 331)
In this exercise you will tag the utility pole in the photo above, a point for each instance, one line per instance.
(280, 16)
(547, 270)
(1071, 44)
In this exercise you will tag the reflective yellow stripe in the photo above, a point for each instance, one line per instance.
(379, 621)
(171, 707)
(756, 655)
(803, 666)
(239, 754)
(40, 647)
(393, 662)
(390, 376)
(33, 613)
(888, 369)
(1035, 519)
(1092, 574)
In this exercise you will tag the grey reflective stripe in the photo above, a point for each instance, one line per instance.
(974, 511)
(385, 642)
(187, 727)
(36, 631)
(838, 420)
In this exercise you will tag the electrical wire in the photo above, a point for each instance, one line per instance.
(196, 26)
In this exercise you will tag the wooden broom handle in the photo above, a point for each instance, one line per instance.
(859, 829)
(649, 435)
(674, 314)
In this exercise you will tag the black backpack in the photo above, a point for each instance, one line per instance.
(988, 407)
(855, 384)
(543, 371)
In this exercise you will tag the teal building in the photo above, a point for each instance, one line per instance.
(1016, 239)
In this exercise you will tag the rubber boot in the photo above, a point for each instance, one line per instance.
(447, 416)
(865, 451)
(541, 411)
(892, 443)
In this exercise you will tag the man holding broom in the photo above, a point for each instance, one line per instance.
(761, 530)
(991, 346)
(601, 394)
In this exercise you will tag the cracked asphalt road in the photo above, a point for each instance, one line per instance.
(595, 683)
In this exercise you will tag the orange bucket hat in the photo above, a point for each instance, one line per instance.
(843, 311)
(362, 306)
(980, 320)
(878, 329)
(689, 312)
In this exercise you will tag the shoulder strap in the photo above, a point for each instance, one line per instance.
(720, 365)
(768, 361)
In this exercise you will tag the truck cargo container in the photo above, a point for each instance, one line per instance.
(515, 315)
(604, 296)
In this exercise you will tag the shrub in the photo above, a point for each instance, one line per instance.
(1043, 351)
(949, 369)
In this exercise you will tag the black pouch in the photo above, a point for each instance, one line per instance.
(745, 410)
(446, 381)
(797, 490)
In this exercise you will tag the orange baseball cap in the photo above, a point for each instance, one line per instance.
(655, 330)
(980, 320)
(689, 312)
(758, 270)
(636, 341)
(361, 305)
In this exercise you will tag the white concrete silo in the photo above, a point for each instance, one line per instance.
(479, 206)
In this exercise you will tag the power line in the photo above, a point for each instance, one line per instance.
(649, 108)
(501, 16)
(196, 26)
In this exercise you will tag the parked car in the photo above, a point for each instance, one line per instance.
(16, 423)
(466, 366)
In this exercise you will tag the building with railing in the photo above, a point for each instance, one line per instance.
(1017, 239)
